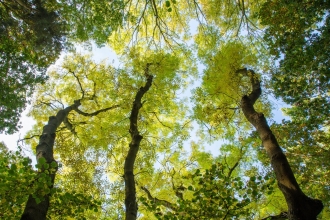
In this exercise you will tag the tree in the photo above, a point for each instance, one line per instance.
(33, 34)
(223, 102)
(37, 209)
(89, 79)
(299, 205)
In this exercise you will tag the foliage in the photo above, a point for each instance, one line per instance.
(17, 182)
(31, 37)
(217, 100)
(153, 38)
(215, 195)
(298, 36)
(110, 92)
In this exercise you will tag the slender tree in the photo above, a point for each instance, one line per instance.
(130, 191)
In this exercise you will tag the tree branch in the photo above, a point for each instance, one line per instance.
(158, 201)
(96, 112)
(164, 125)
(256, 89)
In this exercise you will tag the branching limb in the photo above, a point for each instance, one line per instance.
(236, 164)
(177, 190)
(232, 169)
(81, 88)
(256, 89)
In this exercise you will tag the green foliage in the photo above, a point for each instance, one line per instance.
(217, 100)
(215, 195)
(72, 204)
(31, 38)
(18, 181)
(91, 20)
(153, 38)
(83, 153)
(298, 36)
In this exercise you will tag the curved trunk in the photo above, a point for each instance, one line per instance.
(300, 206)
(130, 191)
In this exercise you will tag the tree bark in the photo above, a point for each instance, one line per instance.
(34, 211)
(130, 191)
(300, 207)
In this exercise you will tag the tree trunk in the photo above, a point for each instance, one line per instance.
(300, 207)
(34, 211)
(130, 191)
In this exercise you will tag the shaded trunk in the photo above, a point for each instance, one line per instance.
(34, 211)
(300, 207)
(130, 191)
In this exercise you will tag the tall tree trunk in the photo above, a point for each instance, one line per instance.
(130, 191)
(300, 206)
(34, 211)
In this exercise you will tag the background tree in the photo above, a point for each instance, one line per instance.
(299, 40)
(32, 37)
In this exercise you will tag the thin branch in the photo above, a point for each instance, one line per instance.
(28, 138)
(160, 121)
(233, 168)
(81, 88)
(158, 201)
(96, 112)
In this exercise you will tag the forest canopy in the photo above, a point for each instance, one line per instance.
(131, 141)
